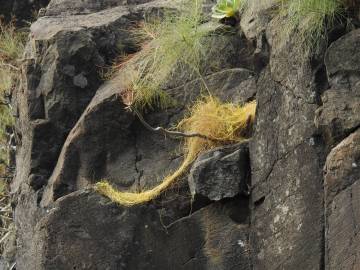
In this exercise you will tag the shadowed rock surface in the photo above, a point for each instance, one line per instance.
(24, 11)
(342, 202)
(135, 238)
(221, 173)
(340, 113)
(287, 199)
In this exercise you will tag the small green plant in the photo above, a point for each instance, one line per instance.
(175, 45)
(311, 18)
(226, 9)
(12, 44)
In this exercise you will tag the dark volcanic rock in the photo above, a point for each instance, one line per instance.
(342, 166)
(286, 162)
(286, 181)
(61, 75)
(221, 173)
(342, 61)
(85, 231)
(67, 7)
(340, 113)
(121, 149)
(342, 200)
(23, 10)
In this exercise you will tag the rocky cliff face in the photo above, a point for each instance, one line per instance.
(288, 199)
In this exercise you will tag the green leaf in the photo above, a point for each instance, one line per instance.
(226, 8)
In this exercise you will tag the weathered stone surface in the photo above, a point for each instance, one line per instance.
(342, 61)
(49, 103)
(342, 230)
(286, 180)
(286, 159)
(221, 173)
(53, 102)
(67, 7)
(122, 149)
(235, 84)
(256, 17)
(342, 200)
(340, 113)
(342, 168)
(85, 231)
(26, 216)
(61, 75)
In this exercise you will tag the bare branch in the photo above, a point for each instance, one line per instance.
(12, 267)
(168, 132)
(9, 66)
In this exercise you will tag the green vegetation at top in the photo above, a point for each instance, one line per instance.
(176, 45)
(311, 19)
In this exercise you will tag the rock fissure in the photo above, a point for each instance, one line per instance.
(136, 161)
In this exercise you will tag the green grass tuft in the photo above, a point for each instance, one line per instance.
(311, 19)
(175, 45)
(12, 44)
